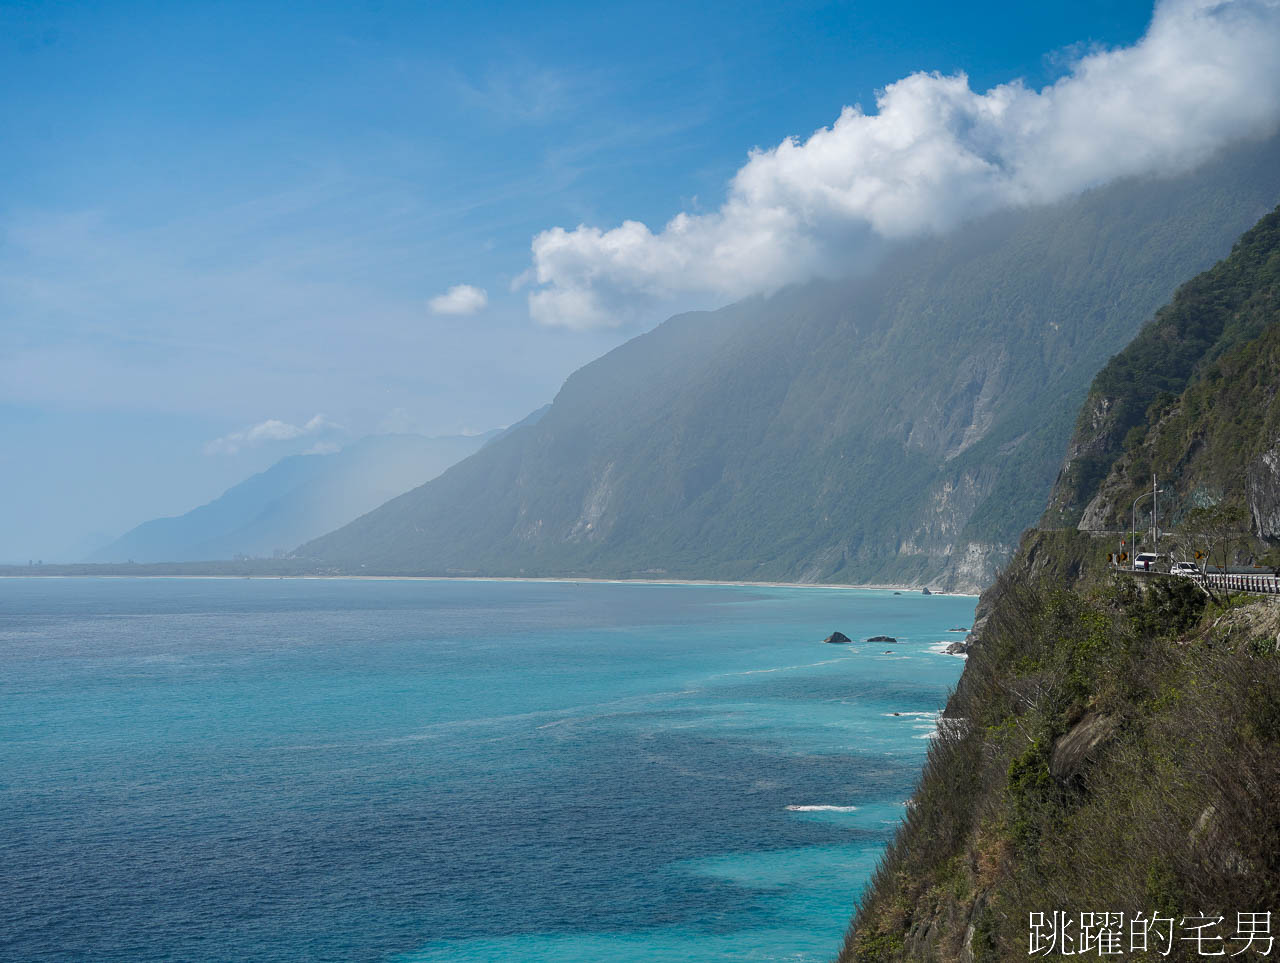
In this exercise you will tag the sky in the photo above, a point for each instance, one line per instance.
(235, 231)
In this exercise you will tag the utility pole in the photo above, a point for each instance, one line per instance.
(1133, 514)
(1155, 525)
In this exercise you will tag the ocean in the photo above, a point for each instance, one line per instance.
(421, 771)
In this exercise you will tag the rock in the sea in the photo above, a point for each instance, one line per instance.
(837, 637)
(882, 638)
(925, 591)
(957, 648)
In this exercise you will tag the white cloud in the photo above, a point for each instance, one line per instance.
(935, 153)
(460, 299)
(267, 431)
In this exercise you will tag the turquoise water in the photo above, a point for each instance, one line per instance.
(464, 771)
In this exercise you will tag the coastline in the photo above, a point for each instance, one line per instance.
(506, 578)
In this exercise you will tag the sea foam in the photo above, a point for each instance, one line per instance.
(823, 809)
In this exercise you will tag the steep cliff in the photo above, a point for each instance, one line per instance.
(1112, 747)
(1114, 743)
(1131, 424)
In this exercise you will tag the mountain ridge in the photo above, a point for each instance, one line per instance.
(298, 497)
(831, 432)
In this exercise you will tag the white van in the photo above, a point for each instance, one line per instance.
(1145, 562)
(1184, 568)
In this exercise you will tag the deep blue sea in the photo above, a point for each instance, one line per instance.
(422, 771)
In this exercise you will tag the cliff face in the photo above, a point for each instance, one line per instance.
(1130, 424)
(1114, 743)
(1214, 445)
(1262, 481)
(1111, 745)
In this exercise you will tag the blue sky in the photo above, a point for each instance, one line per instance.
(216, 215)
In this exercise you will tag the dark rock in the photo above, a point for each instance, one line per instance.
(1073, 752)
(975, 632)
(837, 637)
(925, 591)
(957, 648)
(897, 593)
(883, 638)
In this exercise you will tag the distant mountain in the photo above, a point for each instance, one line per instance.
(294, 500)
(899, 427)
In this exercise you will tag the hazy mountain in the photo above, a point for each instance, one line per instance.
(295, 499)
(903, 426)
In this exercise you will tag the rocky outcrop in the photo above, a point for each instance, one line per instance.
(838, 638)
(883, 638)
(1262, 478)
(973, 565)
(1073, 752)
(1094, 446)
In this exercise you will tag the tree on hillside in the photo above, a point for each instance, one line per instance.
(1208, 533)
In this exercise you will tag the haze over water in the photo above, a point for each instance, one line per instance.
(462, 771)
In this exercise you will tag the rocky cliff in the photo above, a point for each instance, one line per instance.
(1159, 407)
(1113, 745)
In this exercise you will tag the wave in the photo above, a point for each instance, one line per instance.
(823, 809)
(941, 649)
(785, 668)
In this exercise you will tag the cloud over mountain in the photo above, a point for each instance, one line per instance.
(934, 154)
(266, 431)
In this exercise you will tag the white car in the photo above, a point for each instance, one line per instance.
(1184, 568)
(1145, 562)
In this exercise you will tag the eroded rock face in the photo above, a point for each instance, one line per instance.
(1263, 482)
(1095, 514)
(1073, 751)
(975, 564)
(1096, 439)
(938, 531)
(974, 638)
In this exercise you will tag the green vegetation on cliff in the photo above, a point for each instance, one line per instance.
(1113, 746)
(1114, 743)
(1207, 336)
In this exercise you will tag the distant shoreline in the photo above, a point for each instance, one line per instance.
(509, 578)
